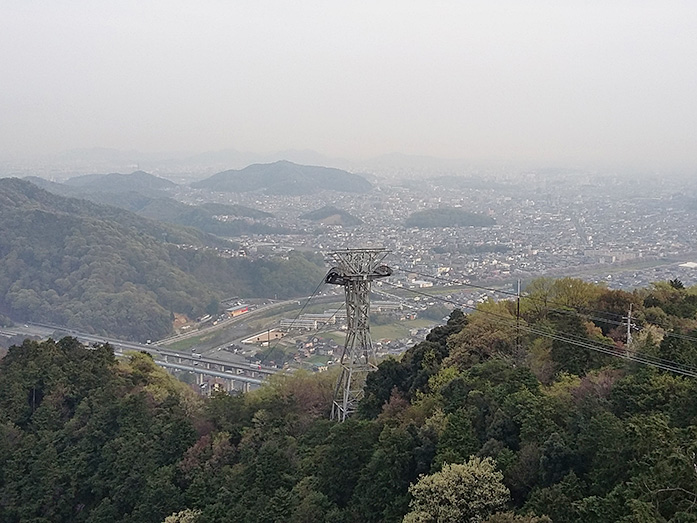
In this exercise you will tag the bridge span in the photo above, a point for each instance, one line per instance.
(232, 381)
(237, 375)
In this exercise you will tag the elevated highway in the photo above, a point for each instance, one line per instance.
(236, 371)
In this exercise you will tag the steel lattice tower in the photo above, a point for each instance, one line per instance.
(355, 270)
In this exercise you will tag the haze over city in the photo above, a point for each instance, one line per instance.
(594, 84)
(320, 261)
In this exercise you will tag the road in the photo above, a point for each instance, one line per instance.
(243, 318)
(158, 353)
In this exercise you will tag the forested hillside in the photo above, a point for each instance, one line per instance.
(139, 181)
(465, 427)
(286, 178)
(100, 269)
(206, 217)
(146, 195)
(331, 215)
(447, 217)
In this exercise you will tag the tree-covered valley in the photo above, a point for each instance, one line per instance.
(482, 421)
(105, 270)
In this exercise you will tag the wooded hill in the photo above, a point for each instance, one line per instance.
(205, 217)
(138, 181)
(104, 270)
(463, 427)
(447, 217)
(148, 196)
(331, 215)
(286, 178)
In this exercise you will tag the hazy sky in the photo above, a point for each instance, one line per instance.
(542, 81)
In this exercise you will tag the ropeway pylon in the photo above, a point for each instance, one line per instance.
(355, 270)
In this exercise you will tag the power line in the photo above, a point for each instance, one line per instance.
(513, 294)
(572, 339)
(456, 281)
(309, 298)
(680, 336)
(566, 310)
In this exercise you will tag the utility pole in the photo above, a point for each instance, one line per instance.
(629, 325)
(517, 322)
(355, 270)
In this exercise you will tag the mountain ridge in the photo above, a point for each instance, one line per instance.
(105, 270)
(284, 177)
(332, 216)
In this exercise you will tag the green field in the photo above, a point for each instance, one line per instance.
(393, 331)
(337, 336)
(188, 343)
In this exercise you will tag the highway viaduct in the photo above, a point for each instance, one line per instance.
(237, 375)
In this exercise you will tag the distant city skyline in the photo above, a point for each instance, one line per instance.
(539, 82)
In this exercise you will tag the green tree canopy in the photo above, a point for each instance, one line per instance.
(468, 492)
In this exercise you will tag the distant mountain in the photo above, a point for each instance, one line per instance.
(235, 159)
(138, 181)
(104, 156)
(149, 203)
(130, 201)
(182, 164)
(189, 165)
(106, 270)
(22, 195)
(331, 216)
(285, 177)
(218, 219)
(448, 217)
(223, 209)
(90, 267)
(53, 187)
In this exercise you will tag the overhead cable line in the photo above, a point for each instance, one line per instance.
(512, 294)
(572, 339)
(566, 310)
(307, 301)
(569, 337)
(456, 282)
